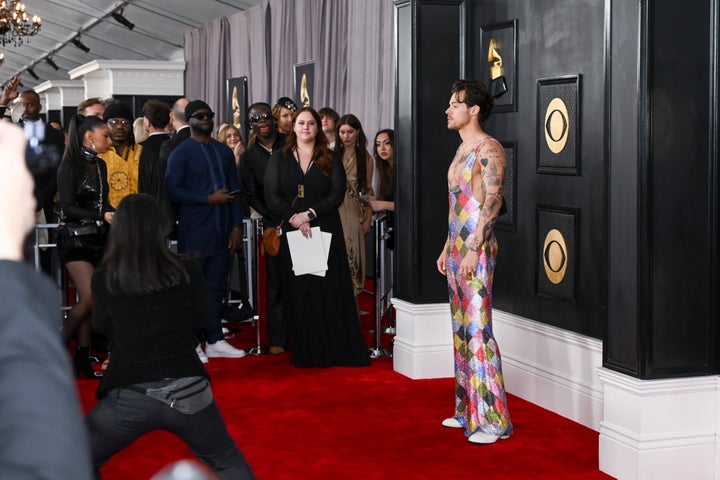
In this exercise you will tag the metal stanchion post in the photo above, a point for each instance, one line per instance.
(60, 283)
(388, 287)
(379, 221)
(253, 230)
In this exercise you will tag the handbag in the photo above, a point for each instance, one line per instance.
(271, 240)
(76, 235)
(187, 395)
(271, 237)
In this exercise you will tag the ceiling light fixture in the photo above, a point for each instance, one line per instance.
(32, 73)
(50, 62)
(118, 15)
(15, 23)
(76, 41)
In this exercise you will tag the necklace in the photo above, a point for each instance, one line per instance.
(477, 139)
(269, 150)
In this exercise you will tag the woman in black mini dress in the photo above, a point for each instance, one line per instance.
(86, 213)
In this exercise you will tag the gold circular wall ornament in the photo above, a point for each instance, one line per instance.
(555, 256)
(557, 125)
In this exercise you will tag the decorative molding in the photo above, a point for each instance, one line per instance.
(117, 65)
(61, 93)
(545, 365)
(551, 367)
(660, 429)
(423, 343)
(105, 78)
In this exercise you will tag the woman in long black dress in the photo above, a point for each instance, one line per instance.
(83, 192)
(324, 326)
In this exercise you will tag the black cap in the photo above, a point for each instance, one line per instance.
(194, 106)
(286, 102)
(117, 110)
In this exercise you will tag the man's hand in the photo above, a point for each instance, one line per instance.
(10, 92)
(235, 240)
(220, 197)
(442, 261)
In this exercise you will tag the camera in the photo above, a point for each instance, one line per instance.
(40, 157)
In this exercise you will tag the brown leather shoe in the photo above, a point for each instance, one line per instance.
(277, 350)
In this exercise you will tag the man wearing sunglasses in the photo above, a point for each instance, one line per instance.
(131, 168)
(201, 177)
(264, 141)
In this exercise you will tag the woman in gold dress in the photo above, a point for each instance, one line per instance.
(355, 212)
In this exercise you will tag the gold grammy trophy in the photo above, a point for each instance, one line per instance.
(498, 85)
(304, 93)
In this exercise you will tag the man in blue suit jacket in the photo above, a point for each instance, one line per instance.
(202, 179)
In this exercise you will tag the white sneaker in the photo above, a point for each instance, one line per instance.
(201, 355)
(221, 348)
(452, 422)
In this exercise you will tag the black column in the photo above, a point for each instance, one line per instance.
(430, 54)
(663, 283)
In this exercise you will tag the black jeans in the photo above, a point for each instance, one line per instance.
(124, 416)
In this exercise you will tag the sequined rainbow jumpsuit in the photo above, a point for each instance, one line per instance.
(480, 401)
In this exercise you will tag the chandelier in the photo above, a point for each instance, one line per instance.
(15, 23)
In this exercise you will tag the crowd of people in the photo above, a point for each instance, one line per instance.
(206, 180)
(121, 201)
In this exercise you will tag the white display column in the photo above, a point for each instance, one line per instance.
(56, 94)
(105, 78)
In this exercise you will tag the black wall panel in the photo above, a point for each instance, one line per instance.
(556, 38)
(430, 58)
(680, 189)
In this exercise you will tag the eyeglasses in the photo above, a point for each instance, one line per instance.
(257, 117)
(119, 121)
(203, 115)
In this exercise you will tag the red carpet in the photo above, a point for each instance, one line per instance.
(362, 423)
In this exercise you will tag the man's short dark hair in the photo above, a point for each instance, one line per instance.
(329, 112)
(33, 93)
(475, 94)
(157, 112)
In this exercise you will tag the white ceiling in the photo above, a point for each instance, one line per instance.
(160, 26)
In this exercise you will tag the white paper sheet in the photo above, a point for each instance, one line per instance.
(309, 255)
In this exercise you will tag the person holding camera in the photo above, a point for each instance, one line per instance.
(50, 141)
(41, 429)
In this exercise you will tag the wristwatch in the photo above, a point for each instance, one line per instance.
(311, 215)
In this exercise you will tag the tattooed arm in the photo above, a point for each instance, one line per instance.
(487, 180)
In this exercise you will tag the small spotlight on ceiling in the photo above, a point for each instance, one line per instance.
(118, 15)
(52, 63)
(32, 73)
(76, 41)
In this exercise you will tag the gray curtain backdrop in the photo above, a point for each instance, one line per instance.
(350, 41)
(206, 68)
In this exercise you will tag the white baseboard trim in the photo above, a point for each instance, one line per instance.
(548, 366)
(660, 429)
